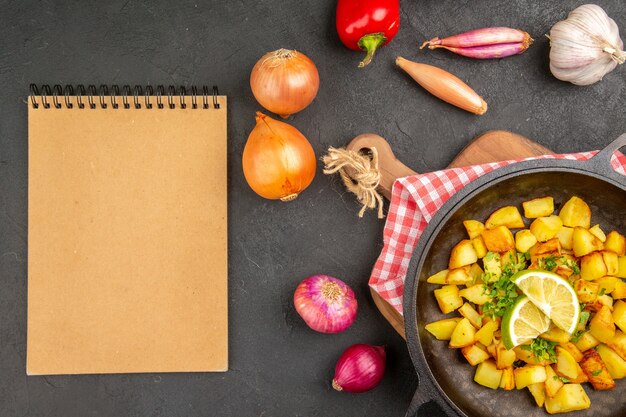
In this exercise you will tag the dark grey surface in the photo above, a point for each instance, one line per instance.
(277, 365)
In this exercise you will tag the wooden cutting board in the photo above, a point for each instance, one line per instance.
(495, 145)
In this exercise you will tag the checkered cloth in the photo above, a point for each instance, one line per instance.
(415, 200)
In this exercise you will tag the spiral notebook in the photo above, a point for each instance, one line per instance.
(127, 232)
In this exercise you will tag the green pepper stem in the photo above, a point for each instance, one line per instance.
(370, 43)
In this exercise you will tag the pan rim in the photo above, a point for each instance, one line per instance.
(414, 343)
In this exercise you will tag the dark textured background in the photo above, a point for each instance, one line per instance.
(278, 366)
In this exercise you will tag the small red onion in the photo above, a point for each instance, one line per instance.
(360, 368)
(326, 304)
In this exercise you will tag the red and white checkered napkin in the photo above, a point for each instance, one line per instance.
(415, 200)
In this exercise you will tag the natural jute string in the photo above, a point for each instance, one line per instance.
(364, 178)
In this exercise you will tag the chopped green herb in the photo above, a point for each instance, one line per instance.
(596, 373)
(551, 263)
(602, 291)
(548, 263)
(576, 337)
(503, 292)
(564, 380)
(571, 264)
(584, 316)
(542, 349)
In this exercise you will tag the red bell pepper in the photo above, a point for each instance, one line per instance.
(367, 24)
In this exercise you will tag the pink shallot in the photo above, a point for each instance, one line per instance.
(486, 43)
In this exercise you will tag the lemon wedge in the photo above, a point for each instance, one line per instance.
(523, 322)
(551, 294)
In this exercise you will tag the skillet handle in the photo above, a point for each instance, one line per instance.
(601, 162)
(426, 393)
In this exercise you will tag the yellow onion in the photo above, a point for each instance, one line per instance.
(278, 161)
(284, 81)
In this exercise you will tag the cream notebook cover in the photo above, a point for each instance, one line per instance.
(127, 233)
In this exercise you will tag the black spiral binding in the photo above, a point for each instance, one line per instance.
(58, 96)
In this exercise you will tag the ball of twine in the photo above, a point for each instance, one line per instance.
(359, 174)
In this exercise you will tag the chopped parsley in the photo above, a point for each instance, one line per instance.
(597, 372)
(503, 292)
(552, 262)
(584, 316)
(542, 349)
(548, 263)
(602, 291)
(576, 336)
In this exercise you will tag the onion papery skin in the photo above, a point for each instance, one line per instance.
(325, 303)
(360, 368)
(278, 161)
(284, 82)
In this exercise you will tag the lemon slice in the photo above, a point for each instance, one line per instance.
(522, 323)
(553, 295)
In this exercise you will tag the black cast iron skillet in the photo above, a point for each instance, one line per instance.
(445, 376)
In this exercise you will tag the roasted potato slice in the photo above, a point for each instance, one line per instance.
(616, 243)
(462, 254)
(597, 232)
(505, 216)
(463, 334)
(546, 228)
(524, 240)
(507, 382)
(618, 344)
(553, 383)
(442, 329)
(474, 228)
(475, 294)
(621, 267)
(597, 373)
(583, 242)
(485, 334)
(610, 260)
(438, 278)
(566, 366)
(619, 314)
(607, 284)
(479, 247)
(575, 212)
(448, 298)
(565, 237)
(538, 392)
(592, 266)
(619, 292)
(529, 374)
(602, 326)
(538, 207)
(499, 239)
(488, 375)
(554, 334)
(586, 341)
(474, 355)
(570, 397)
(459, 276)
(467, 311)
(614, 363)
(586, 291)
(504, 357)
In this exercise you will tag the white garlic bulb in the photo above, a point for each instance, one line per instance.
(586, 46)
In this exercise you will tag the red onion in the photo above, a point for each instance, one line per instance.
(360, 368)
(325, 303)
